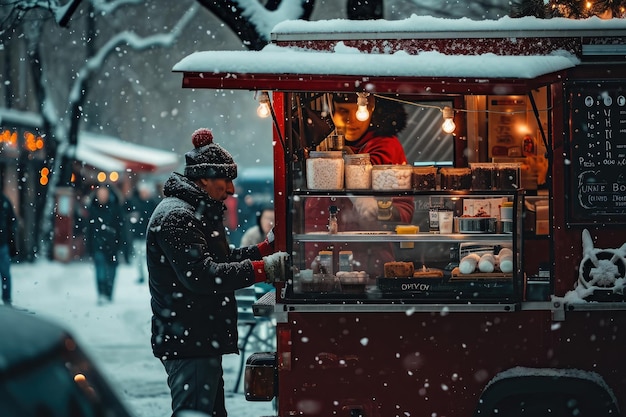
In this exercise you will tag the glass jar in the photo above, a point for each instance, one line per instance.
(324, 170)
(456, 178)
(483, 174)
(391, 177)
(424, 178)
(507, 176)
(358, 171)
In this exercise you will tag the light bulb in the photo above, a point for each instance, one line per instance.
(362, 114)
(263, 110)
(448, 120)
(448, 126)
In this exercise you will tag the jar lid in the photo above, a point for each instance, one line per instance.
(455, 171)
(425, 170)
(507, 204)
(357, 156)
(393, 166)
(325, 154)
(482, 165)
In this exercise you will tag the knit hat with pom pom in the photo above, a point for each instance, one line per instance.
(208, 159)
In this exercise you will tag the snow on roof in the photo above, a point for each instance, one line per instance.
(346, 60)
(349, 61)
(377, 29)
(111, 154)
(12, 117)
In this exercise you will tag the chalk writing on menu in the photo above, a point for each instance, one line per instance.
(598, 163)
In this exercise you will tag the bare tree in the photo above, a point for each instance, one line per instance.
(252, 21)
(62, 113)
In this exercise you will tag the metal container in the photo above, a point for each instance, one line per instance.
(477, 224)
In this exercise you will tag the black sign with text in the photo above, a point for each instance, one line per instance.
(598, 152)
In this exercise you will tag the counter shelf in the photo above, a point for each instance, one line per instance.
(404, 193)
(345, 237)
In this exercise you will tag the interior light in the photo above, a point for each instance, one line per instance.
(448, 120)
(362, 113)
(263, 110)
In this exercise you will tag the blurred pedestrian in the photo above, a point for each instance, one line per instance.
(105, 229)
(264, 223)
(139, 208)
(193, 275)
(8, 245)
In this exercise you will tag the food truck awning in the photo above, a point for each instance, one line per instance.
(416, 55)
(111, 154)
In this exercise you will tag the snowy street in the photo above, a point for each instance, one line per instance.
(116, 336)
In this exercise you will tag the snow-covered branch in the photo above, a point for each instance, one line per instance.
(264, 20)
(133, 40)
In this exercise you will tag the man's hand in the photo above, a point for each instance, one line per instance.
(275, 266)
(366, 208)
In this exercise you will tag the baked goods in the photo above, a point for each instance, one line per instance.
(428, 273)
(487, 263)
(469, 263)
(505, 258)
(399, 269)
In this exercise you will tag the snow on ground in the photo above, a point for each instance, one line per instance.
(115, 336)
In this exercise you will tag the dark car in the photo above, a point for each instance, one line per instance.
(44, 373)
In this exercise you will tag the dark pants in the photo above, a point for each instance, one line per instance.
(5, 271)
(106, 269)
(196, 384)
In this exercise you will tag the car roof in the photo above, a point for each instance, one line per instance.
(26, 337)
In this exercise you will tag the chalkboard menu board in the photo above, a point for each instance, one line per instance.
(597, 152)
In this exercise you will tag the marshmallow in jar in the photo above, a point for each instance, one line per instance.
(324, 170)
(391, 177)
(358, 171)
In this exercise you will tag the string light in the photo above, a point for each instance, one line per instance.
(263, 110)
(362, 114)
(448, 119)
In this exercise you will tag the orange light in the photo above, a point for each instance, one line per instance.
(43, 176)
(102, 176)
(114, 176)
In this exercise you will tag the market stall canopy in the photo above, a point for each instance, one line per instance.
(421, 54)
(111, 154)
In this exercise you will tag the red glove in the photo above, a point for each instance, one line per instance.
(267, 246)
(259, 271)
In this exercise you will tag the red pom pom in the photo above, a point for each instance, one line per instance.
(201, 137)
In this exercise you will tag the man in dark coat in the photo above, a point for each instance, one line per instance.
(105, 237)
(193, 275)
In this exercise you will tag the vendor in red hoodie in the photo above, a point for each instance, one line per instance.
(377, 136)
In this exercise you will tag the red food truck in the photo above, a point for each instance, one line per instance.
(503, 292)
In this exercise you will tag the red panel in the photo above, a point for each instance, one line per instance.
(426, 364)
(426, 86)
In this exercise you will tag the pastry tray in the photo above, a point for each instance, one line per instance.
(458, 276)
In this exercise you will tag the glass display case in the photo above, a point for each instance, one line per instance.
(433, 246)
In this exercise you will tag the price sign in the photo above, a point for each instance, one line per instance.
(597, 180)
